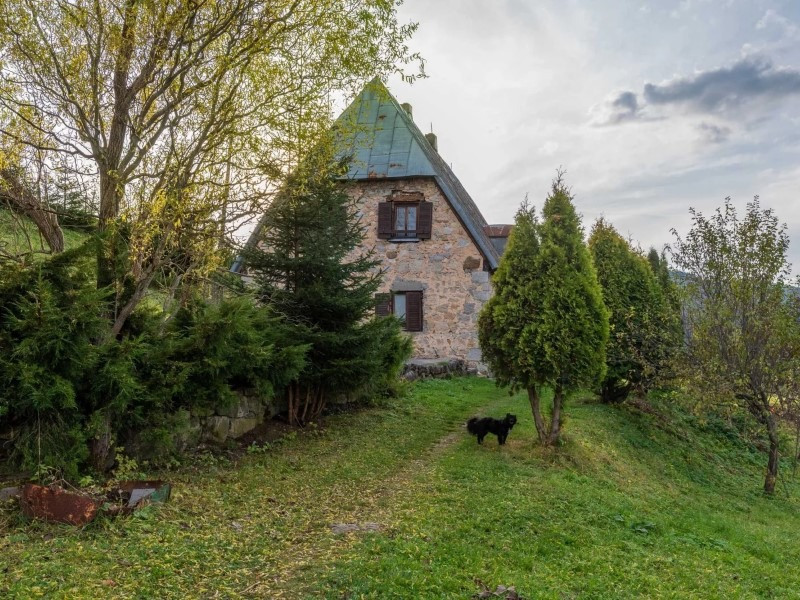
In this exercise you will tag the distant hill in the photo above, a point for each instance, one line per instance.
(680, 277)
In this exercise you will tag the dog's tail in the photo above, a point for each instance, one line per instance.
(471, 425)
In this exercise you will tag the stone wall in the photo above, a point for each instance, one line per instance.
(448, 268)
(244, 415)
(423, 368)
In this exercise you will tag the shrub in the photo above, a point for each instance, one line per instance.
(68, 385)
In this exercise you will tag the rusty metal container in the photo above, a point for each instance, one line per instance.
(56, 504)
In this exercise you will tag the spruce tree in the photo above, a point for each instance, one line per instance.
(644, 330)
(309, 266)
(546, 324)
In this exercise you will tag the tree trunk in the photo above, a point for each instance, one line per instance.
(101, 447)
(110, 198)
(111, 186)
(23, 201)
(541, 430)
(772, 464)
(555, 418)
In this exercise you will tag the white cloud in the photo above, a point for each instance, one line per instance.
(516, 89)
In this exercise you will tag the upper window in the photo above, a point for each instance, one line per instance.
(405, 219)
(405, 216)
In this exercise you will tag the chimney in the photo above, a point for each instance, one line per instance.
(431, 137)
(407, 107)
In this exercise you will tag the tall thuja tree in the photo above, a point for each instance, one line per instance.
(310, 268)
(513, 310)
(644, 328)
(660, 267)
(743, 342)
(546, 324)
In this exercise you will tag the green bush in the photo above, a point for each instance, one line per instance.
(50, 324)
(64, 378)
(203, 356)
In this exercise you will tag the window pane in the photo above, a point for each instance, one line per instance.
(400, 306)
(399, 218)
(412, 218)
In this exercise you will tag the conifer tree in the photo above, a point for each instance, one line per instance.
(660, 267)
(546, 325)
(644, 330)
(310, 268)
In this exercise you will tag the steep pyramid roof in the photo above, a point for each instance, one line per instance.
(384, 142)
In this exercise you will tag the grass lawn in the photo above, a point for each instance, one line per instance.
(633, 505)
(19, 234)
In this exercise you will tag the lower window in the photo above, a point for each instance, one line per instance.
(406, 306)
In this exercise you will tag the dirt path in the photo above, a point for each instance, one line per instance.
(380, 510)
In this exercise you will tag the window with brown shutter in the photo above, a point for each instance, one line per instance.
(425, 220)
(405, 216)
(383, 305)
(406, 306)
(413, 311)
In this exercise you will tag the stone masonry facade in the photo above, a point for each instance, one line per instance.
(448, 268)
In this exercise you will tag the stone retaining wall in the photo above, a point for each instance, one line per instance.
(422, 369)
(246, 414)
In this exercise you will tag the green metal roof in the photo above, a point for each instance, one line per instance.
(384, 143)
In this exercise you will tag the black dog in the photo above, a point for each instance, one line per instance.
(499, 427)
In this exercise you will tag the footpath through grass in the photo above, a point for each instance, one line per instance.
(634, 505)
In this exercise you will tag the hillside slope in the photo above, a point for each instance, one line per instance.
(19, 234)
(639, 502)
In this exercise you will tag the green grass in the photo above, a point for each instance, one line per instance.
(633, 505)
(19, 235)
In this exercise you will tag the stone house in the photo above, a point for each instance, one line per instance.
(436, 249)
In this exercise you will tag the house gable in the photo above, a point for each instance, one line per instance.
(383, 142)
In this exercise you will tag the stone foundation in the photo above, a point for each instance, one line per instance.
(427, 368)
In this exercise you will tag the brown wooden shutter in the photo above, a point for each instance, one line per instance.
(383, 305)
(384, 220)
(414, 311)
(425, 220)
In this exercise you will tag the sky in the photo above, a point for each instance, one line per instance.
(650, 107)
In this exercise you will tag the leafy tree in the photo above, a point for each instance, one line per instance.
(546, 324)
(309, 268)
(743, 326)
(644, 328)
(188, 112)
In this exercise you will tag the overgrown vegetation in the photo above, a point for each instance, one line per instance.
(642, 500)
(63, 378)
